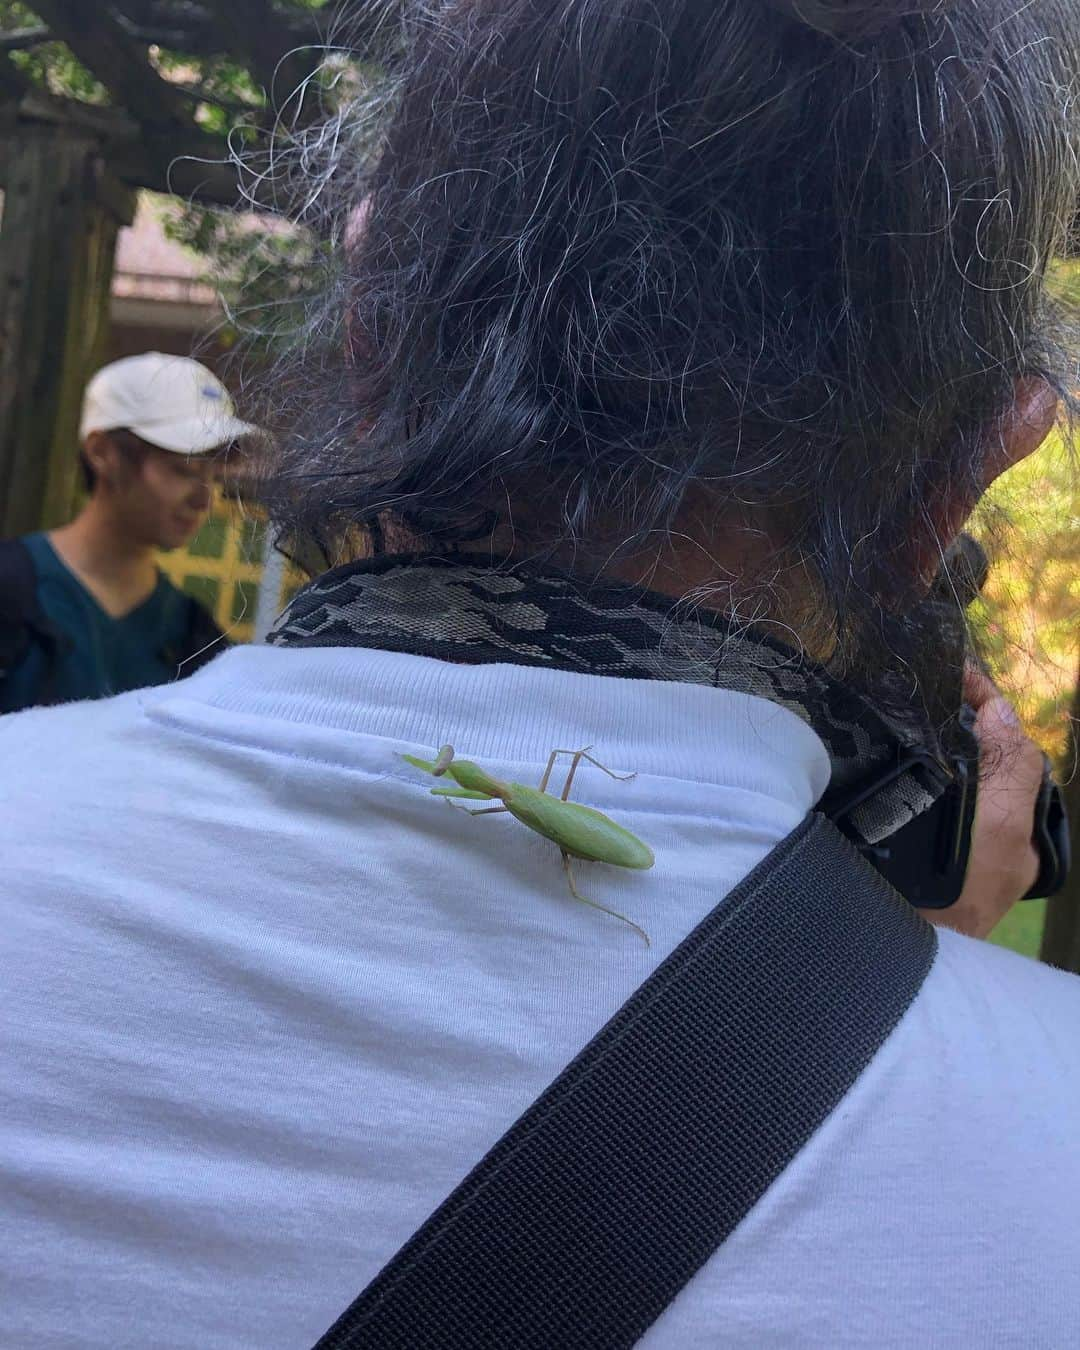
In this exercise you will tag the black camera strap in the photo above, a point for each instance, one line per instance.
(592, 1212)
(471, 611)
(902, 795)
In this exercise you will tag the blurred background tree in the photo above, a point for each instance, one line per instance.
(1028, 624)
(98, 102)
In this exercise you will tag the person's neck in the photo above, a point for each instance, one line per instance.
(119, 571)
(729, 564)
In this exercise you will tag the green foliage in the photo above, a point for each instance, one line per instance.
(50, 65)
(261, 268)
(225, 96)
(1022, 928)
(54, 68)
(258, 270)
(1027, 619)
(223, 92)
(1065, 280)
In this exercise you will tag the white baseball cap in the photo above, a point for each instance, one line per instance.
(171, 401)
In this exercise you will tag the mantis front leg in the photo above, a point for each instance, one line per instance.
(443, 761)
(483, 811)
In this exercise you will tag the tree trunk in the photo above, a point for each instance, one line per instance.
(57, 248)
(1061, 938)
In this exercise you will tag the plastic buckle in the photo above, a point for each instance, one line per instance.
(918, 762)
(926, 859)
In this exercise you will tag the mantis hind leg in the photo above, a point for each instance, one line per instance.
(593, 904)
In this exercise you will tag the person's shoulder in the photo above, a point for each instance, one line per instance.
(32, 550)
(66, 770)
(1006, 998)
(44, 739)
(21, 612)
(19, 560)
(966, 958)
(36, 543)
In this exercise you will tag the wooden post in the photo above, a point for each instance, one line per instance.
(58, 237)
(1061, 937)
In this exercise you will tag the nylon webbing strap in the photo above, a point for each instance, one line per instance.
(591, 1213)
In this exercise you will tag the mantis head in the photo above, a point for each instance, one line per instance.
(469, 776)
(436, 767)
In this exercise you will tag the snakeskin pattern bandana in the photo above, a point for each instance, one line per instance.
(461, 609)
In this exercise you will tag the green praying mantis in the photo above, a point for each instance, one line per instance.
(579, 831)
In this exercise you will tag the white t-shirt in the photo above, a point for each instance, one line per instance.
(266, 1001)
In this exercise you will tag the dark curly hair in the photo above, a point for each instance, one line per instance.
(613, 250)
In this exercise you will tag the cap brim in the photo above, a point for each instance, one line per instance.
(195, 435)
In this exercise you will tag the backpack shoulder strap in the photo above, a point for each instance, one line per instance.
(18, 580)
(590, 1214)
(22, 619)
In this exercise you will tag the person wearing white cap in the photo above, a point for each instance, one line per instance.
(84, 610)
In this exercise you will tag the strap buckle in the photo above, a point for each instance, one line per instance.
(926, 859)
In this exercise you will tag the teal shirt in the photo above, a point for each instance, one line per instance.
(107, 655)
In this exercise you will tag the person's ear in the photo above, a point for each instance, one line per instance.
(102, 456)
(1023, 429)
(1018, 433)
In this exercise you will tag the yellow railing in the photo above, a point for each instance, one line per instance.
(222, 567)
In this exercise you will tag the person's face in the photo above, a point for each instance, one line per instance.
(175, 493)
(157, 497)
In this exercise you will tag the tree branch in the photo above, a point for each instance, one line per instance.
(253, 29)
(192, 28)
(98, 40)
(192, 164)
(196, 168)
(109, 125)
(167, 13)
(22, 39)
(198, 93)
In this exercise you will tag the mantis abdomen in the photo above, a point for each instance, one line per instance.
(581, 831)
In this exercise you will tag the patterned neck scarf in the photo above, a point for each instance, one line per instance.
(471, 612)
